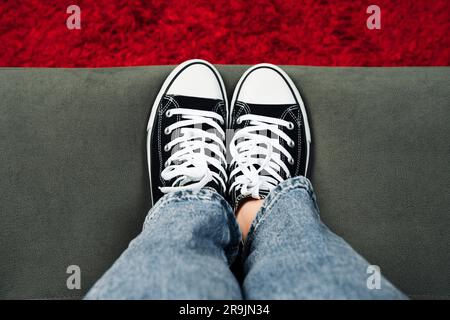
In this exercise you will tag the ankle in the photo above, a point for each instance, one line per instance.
(246, 213)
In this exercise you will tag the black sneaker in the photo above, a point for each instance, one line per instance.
(185, 132)
(272, 137)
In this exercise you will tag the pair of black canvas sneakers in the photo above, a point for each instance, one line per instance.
(190, 119)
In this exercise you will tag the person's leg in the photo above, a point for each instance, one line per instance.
(184, 251)
(190, 236)
(290, 254)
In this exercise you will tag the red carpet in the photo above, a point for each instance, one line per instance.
(33, 33)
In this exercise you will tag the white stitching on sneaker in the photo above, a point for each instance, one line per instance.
(253, 154)
(190, 163)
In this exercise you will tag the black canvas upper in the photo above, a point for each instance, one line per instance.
(291, 113)
(159, 139)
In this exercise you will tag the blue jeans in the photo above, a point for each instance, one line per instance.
(190, 239)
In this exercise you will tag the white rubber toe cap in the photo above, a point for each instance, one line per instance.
(196, 80)
(265, 84)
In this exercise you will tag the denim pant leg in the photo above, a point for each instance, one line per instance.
(188, 241)
(291, 254)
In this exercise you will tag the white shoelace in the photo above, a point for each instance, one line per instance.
(256, 155)
(189, 164)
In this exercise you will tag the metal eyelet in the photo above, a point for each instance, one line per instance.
(167, 131)
(166, 148)
(168, 114)
(291, 144)
(290, 126)
(291, 161)
(238, 121)
(167, 163)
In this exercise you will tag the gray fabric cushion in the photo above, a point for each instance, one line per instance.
(74, 185)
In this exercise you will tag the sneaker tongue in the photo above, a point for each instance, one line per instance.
(196, 102)
(269, 110)
(274, 111)
(205, 104)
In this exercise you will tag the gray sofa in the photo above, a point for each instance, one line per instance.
(74, 185)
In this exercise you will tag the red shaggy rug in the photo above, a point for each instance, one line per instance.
(33, 33)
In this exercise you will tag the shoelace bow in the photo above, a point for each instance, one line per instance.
(190, 164)
(256, 156)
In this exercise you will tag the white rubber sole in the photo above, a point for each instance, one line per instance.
(170, 78)
(294, 90)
